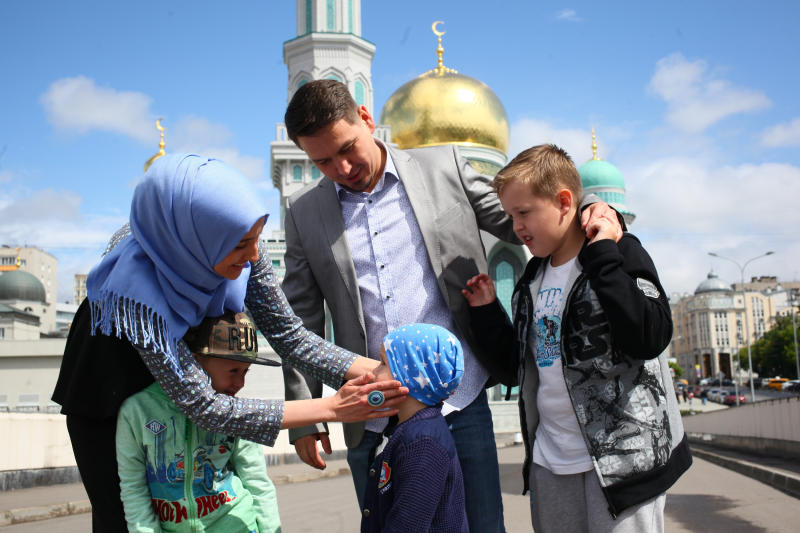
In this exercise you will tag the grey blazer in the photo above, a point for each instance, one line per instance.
(451, 202)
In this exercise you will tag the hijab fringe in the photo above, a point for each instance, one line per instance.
(113, 314)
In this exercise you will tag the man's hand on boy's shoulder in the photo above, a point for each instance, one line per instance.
(479, 291)
(600, 218)
(603, 228)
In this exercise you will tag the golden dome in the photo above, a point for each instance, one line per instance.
(445, 107)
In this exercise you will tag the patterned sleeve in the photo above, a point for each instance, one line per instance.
(251, 419)
(285, 332)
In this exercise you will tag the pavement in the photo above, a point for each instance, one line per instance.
(20, 506)
(54, 501)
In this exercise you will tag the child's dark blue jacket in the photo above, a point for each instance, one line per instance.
(415, 483)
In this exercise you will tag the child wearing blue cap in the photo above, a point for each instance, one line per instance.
(415, 481)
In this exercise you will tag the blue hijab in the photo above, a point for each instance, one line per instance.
(187, 214)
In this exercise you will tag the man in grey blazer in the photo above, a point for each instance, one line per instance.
(387, 238)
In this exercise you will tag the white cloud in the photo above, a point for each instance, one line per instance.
(192, 131)
(688, 207)
(78, 105)
(786, 134)
(697, 98)
(568, 14)
(529, 132)
(51, 220)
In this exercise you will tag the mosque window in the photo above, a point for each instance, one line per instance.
(331, 15)
(302, 82)
(333, 77)
(359, 89)
(315, 173)
(505, 284)
(297, 173)
(350, 16)
(276, 263)
(2, 333)
(308, 16)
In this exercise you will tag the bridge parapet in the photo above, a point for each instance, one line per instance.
(768, 428)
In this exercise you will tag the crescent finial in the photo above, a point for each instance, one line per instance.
(435, 31)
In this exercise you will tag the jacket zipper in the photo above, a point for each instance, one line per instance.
(564, 320)
(188, 471)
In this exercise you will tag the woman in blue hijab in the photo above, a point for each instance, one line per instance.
(191, 251)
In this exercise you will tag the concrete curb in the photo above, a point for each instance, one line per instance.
(43, 512)
(779, 480)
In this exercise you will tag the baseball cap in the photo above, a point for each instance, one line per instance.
(230, 336)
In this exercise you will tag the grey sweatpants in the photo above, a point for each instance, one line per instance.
(575, 504)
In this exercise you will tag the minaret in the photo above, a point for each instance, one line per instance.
(328, 45)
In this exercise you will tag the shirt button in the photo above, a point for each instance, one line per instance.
(369, 201)
(388, 296)
(383, 266)
(374, 232)
(366, 513)
(371, 472)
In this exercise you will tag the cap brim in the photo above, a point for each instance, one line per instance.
(258, 360)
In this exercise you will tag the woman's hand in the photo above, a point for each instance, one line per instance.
(349, 404)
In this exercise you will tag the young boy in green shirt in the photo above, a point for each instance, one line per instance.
(176, 476)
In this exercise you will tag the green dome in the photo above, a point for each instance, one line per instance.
(21, 285)
(599, 173)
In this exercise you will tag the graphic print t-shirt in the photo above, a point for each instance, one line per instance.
(559, 445)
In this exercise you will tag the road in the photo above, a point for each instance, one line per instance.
(708, 499)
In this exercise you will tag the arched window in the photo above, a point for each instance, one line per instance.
(308, 16)
(359, 90)
(505, 284)
(333, 77)
(297, 173)
(302, 82)
(315, 173)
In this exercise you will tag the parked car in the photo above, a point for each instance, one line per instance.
(713, 394)
(787, 384)
(793, 387)
(776, 383)
(730, 398)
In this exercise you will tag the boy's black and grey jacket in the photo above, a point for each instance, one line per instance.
(615, 325)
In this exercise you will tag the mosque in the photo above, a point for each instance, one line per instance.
(440, 106)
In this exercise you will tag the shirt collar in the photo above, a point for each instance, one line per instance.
(389, 171)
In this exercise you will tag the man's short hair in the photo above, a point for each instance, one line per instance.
(317, 104)
(545, 168)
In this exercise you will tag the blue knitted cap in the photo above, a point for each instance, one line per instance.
(427, 359)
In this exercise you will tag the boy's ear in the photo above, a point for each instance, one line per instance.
(565, 200)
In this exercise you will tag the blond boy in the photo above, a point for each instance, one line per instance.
(602, 431)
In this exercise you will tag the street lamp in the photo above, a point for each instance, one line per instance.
(793, 303)
(744, 303)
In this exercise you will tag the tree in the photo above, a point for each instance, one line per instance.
(676, 369)
(773, 353)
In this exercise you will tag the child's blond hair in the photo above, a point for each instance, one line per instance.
(545, 169)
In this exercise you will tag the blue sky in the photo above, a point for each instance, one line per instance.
(695, 102)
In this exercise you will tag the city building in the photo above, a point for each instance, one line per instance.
(79, 288)
(709, 327)
(23, 298)
(44, 267)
